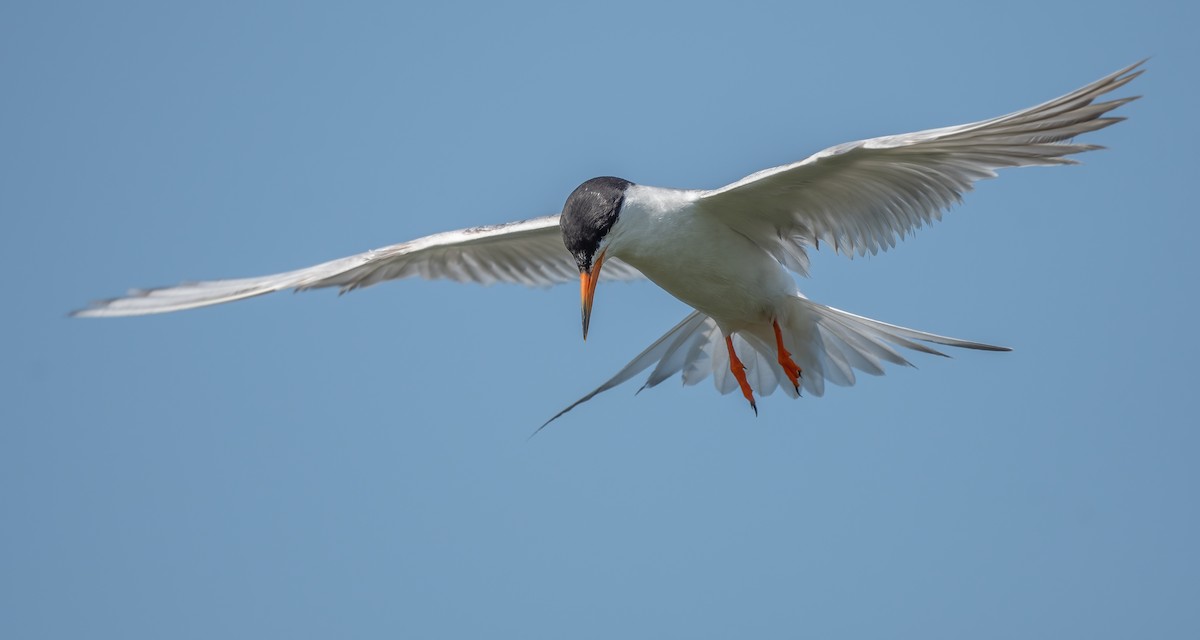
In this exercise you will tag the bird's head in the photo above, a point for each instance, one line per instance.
(589, 214)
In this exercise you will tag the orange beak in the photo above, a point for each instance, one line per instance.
(587, 290)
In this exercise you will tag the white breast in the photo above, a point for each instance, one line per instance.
(698, 259)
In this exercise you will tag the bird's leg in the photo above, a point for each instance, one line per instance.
(739, 372)
(785, 359)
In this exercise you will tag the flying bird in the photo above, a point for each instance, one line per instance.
(728, 253)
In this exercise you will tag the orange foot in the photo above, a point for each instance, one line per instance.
(785, 359)
(739, 372)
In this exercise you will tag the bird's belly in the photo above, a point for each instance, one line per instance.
(722, 274)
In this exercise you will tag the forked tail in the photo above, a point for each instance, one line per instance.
(828, 344)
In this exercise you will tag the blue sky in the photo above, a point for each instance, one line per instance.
(315, 466)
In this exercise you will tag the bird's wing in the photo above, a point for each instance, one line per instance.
(828, 344)
(529, 252)
(861, 197)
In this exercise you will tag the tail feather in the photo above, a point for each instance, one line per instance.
(661, 350)
(896, 331)
(677, 353)
(827, 344)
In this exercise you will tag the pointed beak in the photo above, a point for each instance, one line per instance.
(587, 290)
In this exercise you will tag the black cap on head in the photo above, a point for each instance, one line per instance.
(589, 213)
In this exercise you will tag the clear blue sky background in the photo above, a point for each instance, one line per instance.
(314, 466)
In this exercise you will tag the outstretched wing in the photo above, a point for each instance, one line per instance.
(529, 252)
(861, 197)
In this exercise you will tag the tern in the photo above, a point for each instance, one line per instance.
(728, 253)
